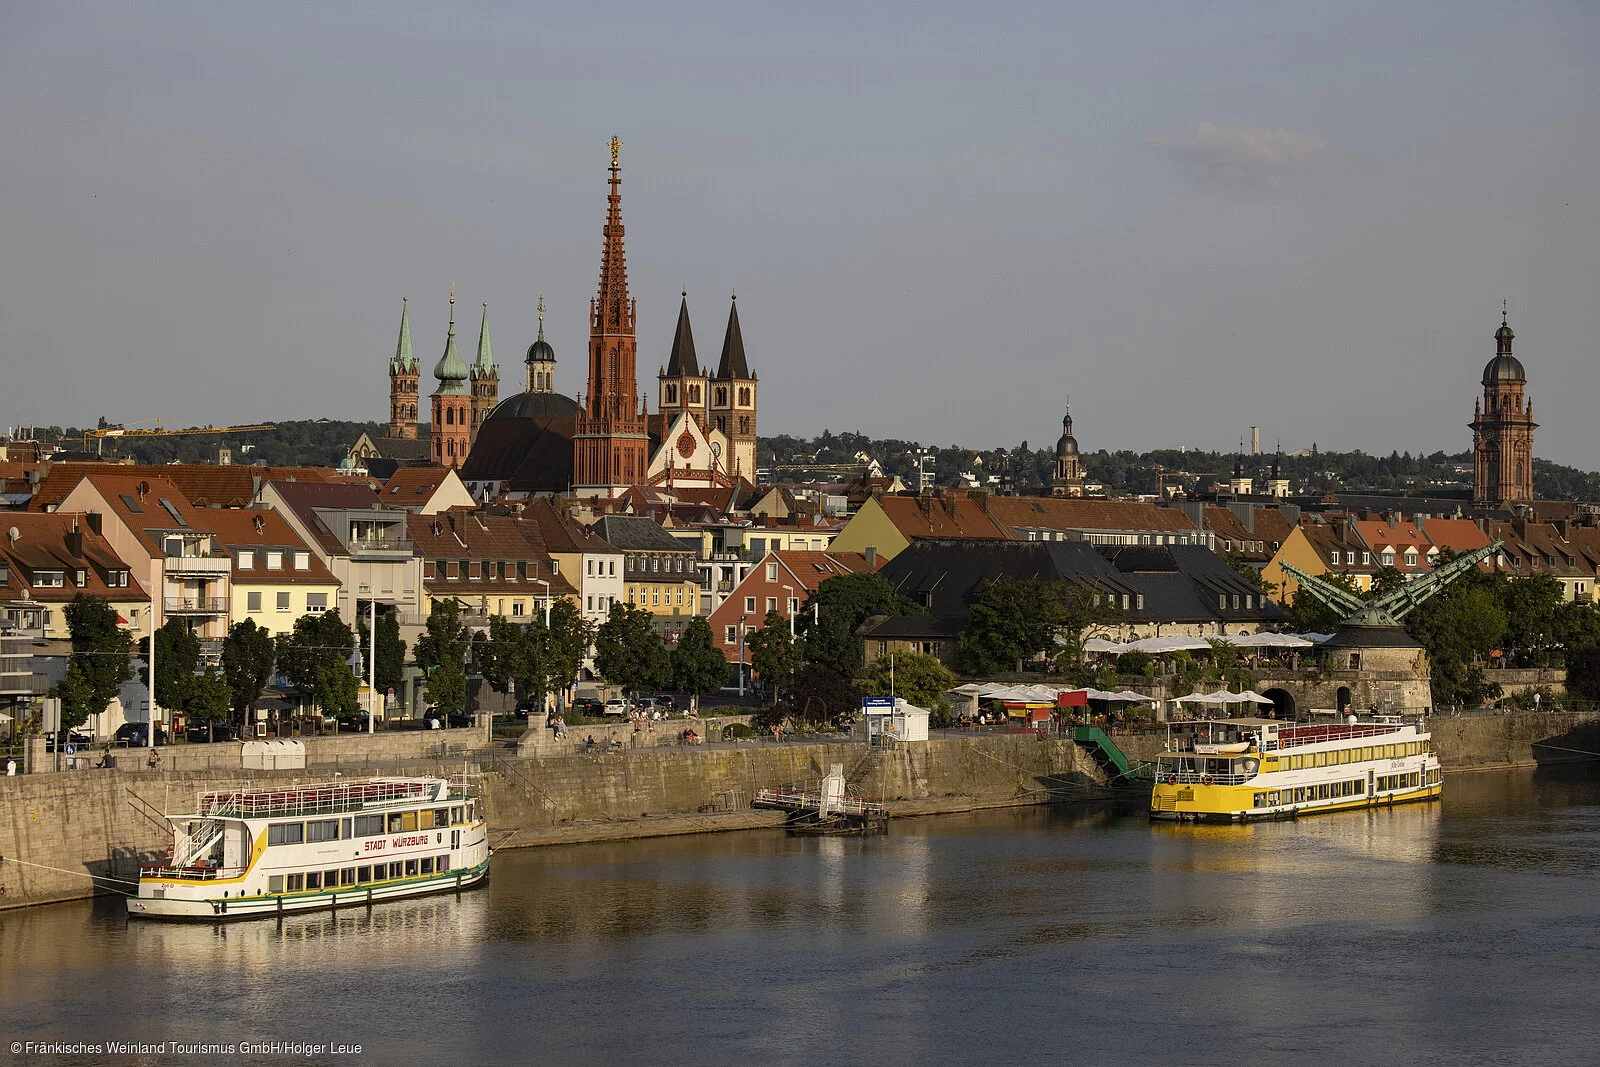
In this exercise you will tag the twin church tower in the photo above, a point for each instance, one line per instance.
(615, 442)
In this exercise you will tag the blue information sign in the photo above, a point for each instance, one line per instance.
(877, 702)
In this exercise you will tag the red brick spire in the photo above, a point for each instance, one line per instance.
(611, 444)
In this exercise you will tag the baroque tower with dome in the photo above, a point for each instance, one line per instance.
(1502, 430)
(1068, 478)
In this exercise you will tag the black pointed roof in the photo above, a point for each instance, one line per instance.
(682, 362)
(733, 364)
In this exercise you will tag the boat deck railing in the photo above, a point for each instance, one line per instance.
(1171, 777)
(316, 800)
(802, 800)
(196, 873)
(1297, 736)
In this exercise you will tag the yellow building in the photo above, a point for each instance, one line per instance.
(1320, 549)
(887, 524)
(276, 576)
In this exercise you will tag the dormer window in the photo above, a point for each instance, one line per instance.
(49, 579)
(274, 561)
(1411, 557)
(1366, 559)
(116, 579)
(247, 560)
(80, 577)
(1333, 557)
(302, 561)
(5, 575)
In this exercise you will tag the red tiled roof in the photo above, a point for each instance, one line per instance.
(259, 530)
(933, 518)
(44, 542)
(1086, 513)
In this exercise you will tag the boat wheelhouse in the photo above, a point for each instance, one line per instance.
(340, 844)
(1239, 770)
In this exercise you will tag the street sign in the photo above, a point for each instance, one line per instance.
(878, 702)
(71, 750)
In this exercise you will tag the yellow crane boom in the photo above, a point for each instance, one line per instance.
(157, 431)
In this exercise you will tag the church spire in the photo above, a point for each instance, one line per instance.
(733, 363)
(451, 370)
(682, 362)
(485, 361)
(403, 357)
(613, 310)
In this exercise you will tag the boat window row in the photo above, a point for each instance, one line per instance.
(1305, 794)
(1403, 781)
(1351, 755)
(393, 822)
(309, 881)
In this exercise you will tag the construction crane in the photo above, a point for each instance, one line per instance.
(124, 431)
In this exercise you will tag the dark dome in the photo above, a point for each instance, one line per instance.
(540, 351)
(1067, 446)
(534, 406)
(1505, 368)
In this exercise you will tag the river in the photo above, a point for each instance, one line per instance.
(1465, 932)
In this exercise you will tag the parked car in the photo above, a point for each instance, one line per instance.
(358, 721)
(62, 738)
(201, 733)
(616, 706)
(589, 707)
(137, 734)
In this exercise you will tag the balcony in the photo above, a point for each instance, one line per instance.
(23, 684)
(379, 549)
(195, 605)
(199, 565)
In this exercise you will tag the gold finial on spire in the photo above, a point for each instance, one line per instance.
(1503, 313)
(615, 144)
(452, 292)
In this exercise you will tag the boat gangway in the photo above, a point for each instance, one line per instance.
(799, 801)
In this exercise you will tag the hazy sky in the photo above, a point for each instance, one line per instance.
(940, 218)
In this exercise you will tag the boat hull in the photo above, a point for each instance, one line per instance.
(1212, 812)
(226, 909)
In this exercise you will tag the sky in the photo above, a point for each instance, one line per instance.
(941, 219)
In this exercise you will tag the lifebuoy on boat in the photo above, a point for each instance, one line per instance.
(1207, 780)
(1172, 779)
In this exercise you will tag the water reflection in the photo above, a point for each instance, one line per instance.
(1085, 934)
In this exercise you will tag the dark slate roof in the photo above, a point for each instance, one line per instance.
(529, 455)
(682, 362)
(1408, 506)
(533, 406)
(908, 627)
(634, 533)
(1371, 637)
(733, 364)
(404, 448)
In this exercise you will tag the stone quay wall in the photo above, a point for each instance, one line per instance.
(58, 830)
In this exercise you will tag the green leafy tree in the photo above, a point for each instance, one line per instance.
(774, 654)
(1011, 620)
(101, 651)
(77, 697)
(1309, 615)
(441, 651)
(1459, 628)
(917, 677)
(502, 654)
(568, 643)
(1583, 672)
(820, 695)
(698, 667)
(210, 698)
(247, 657)
(391, 665)
(1531, 606)
(315, 658)
(839, 607)
(628, 651)
(177, 660)
(1577, 626)
(1387, 580)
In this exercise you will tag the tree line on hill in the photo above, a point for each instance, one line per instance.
(1124, 472)
(296, 443)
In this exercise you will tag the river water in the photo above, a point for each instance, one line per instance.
(1465, 932)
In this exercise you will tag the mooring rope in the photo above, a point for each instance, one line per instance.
(75, 874)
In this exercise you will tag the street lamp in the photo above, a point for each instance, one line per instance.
(546, 585)
(741, 656)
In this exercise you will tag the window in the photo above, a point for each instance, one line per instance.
(316, 603)
(443, 866)
(794, 606)
(285, 833)
(427, 865)
(772, 603)
(1366, 558)
(363, 875)
(772, 572)
(591, 603)
(516, 608)
(369, 825)
(314, 880)
(247, 560)
(49, 579)
(1333, 557)
(750, 605)
(252, 601)
(655, 564)
(283, 601)
(274, 883)
(302, 561)
(731, 637)
(612, 568)
(5, 575)
(589, 567)
(1236, 602)
(274, 561)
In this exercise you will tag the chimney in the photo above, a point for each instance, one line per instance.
(1290, 513)
(75, 541)
(1245, 512)
(925, 503)
(94, 522)
(871, 554)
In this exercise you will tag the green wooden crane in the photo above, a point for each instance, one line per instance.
(1389, 608)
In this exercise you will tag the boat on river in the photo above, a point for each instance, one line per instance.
(248, 853)
(1240, 770)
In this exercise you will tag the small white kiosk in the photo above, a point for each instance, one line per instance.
(890, 719)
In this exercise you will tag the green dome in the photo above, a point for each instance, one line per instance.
(451, 370)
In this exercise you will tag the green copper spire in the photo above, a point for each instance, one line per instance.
(403, 359)
(485, 362)
(451, 370)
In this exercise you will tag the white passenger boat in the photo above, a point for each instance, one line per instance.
(341, 844)
(1238, 770)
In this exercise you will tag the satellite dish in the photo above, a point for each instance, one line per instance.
(15, 534)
